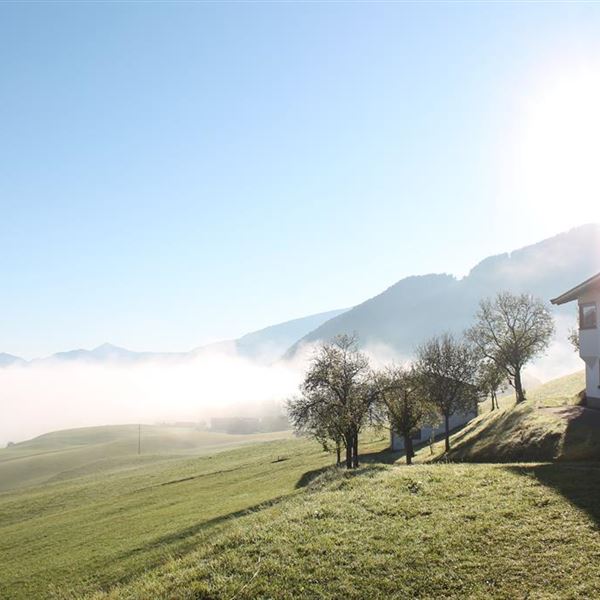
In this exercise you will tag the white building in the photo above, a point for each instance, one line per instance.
(420, 436)
(587, 295)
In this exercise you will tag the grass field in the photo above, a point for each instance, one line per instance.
(75, 452)
(95, 530)
(274, 520)
(429, 531)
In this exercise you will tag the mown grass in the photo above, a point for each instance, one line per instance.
(75, 452)
(273, 520)
(427, 531)
(93, 531)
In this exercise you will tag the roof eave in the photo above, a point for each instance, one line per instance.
(578, 290)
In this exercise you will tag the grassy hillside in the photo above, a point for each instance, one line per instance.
(549, 426)
(75, 452)
(433, 531)
(97, 530)
(557, 392)
(274, 520)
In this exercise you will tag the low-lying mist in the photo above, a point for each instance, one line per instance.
(53, 395)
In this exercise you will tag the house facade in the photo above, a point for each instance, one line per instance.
(587, 295)
(423, 435)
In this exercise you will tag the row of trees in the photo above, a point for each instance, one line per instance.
(341, 394)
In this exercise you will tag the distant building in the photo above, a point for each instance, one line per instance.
(235, 425)
(587, 295)
(424, 434)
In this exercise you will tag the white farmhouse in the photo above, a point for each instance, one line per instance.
(587, 295)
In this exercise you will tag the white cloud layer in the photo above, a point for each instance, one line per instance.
(45, 397)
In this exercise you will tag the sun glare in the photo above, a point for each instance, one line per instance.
(558, 153)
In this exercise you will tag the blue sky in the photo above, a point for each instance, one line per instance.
(177, 173)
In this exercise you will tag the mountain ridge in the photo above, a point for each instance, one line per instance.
(420, 306)
(402, 315)
(262, 345)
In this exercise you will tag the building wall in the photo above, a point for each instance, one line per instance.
(589, 342)
(592, 387)
(457, 421)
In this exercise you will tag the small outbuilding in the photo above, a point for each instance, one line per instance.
(587, 295)
(458, 420)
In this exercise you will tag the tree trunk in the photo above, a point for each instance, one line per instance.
(408, 448)
(349, 447)
(447, 431)
(355, 445)
(493, 401)
(519, 387)
(338, 452)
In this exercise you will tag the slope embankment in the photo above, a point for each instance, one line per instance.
(549, 426)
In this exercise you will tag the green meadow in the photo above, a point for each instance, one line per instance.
(197, 517)
(102, 526)
(72, 453)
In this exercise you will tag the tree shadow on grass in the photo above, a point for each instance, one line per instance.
(579, 483)
(183, 539)
(368, 459)
(309, 476)
(386, 457)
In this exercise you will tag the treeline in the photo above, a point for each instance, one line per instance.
(342, 394)
(248, 425)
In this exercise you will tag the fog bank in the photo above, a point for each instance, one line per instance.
(39, 398)
(51, 395)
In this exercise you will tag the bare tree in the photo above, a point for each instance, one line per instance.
(491, 380)
(511, 330)
(337, 396)
(312, 415)
(402, 404)
(447, 371)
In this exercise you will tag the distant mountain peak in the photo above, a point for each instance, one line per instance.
(107, 346)
(8, 359)
(264, 346)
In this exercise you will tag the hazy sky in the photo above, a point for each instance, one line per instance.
(176, 173)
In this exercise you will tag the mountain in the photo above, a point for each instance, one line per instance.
(8, 360)
(107, 353)
(418, 307)
(265, 346)
(405, 314)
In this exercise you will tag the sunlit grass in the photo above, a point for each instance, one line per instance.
(435, 531)
(99, 529)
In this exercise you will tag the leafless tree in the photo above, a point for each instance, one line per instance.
(337, 396)
(313, 416)
(511, 330)
(447, 370)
